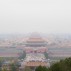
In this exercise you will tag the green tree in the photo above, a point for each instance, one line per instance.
(46, 55)
(23, 55)
(55, 67)
(63, 65)
(41, 68)
(27, 69)
(4, 69)
(13, 67)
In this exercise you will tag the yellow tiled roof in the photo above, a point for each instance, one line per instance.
(36, 64)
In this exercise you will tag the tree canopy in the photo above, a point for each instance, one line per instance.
(63, 65)
(41, 68)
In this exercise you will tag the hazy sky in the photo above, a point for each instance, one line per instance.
(25, 16)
